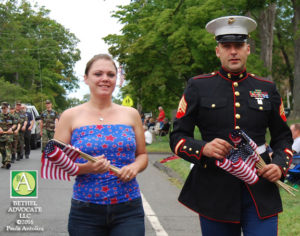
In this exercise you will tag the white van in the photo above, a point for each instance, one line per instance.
(36, 130)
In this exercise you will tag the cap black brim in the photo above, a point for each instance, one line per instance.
(232, 38)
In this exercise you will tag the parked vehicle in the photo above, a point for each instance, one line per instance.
(36, 130)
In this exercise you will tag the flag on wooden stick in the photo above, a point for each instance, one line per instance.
(58, 161)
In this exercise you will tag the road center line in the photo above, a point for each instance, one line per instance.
(159, 230)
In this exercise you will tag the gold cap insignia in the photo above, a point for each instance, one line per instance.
(231, 20)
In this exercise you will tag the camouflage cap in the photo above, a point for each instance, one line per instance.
(18, 103)
(4, 104)
(48, 101)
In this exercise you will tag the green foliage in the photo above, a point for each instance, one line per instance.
(9, 92)
(164, 43)
(36, 53)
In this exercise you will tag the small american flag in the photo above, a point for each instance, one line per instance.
(241, 160)
(58, 161)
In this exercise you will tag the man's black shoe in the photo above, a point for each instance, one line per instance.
(7, 165)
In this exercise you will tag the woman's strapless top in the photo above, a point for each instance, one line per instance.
(117, 143)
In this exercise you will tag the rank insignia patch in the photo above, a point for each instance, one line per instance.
(281, 111)
(181, 108)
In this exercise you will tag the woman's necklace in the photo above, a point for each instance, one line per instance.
(101, 118)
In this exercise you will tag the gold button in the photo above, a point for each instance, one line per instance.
(190, 149)
(237, 104)
(184, 147)
(205, 165)
(284, 168)
(235, 84)
(287, 157)
(197, 152)
(287, 162)
(238, 116)
(213, 105)
(241, 75)
(237, 93)
(237, 127)
(261, 108)
(229, 75)
(213, 73)
(253, 75)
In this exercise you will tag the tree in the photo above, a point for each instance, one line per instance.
(164, 43)
(266, 24)
(296, 95)
(37, 53)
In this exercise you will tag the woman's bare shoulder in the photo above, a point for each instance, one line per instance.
(73, 111)
(129, 110)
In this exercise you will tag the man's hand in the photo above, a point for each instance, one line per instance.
(217, 148)
(270, 172)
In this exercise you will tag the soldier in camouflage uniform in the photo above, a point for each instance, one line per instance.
(49, 118)
(23, 122)
(7, 124)
(15, 135)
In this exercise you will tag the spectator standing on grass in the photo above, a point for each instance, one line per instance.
(161, 116)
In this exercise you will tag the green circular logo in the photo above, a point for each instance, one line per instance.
(24, 183)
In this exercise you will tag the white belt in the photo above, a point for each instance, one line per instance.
(261, 149)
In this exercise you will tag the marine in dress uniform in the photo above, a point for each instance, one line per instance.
(49, 118)
(218, 103)
(7, 124)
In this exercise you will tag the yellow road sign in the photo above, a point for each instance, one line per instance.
(127, 101)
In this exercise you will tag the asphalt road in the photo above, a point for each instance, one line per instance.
(164, 214)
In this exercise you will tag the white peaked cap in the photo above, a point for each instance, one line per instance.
(231, 25)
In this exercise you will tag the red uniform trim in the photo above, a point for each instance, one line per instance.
(181, 141)
(231, 81)
(261, 79)
(288, 152)
(232, 72)
(180, 146)
(223, 221)
(205, 76)
(259, 216)
(234, 108)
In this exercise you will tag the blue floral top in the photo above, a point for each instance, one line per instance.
(117, 143)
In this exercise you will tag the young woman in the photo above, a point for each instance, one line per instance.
(105, 203)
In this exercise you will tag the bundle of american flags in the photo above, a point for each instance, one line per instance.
(242, 159)
(58, 161)
(246, 151)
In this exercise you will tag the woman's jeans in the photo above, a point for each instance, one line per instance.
(250, 223)
(87, 219)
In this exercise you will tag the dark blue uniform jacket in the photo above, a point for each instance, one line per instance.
(217, 103)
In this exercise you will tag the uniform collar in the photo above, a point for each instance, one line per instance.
(233, 76)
